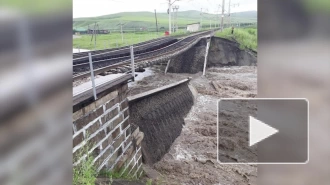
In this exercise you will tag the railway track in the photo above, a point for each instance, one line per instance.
(104, 51)
(125, 51)
(85, 54)
(101, 66)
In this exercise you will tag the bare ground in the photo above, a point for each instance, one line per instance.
(192, 158)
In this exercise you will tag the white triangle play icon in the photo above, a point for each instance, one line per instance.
(259, 131)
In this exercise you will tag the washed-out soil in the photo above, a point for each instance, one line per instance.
(192, 158)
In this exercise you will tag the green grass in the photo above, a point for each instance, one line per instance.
(38, 6)
(121, 174)
(180, 33)
(113, 40)
(85, 172)
(149, 182)
(136, 20)
(246, 37)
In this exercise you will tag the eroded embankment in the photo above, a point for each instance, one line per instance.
(222, 52)
(191, 61)
(192, 158)
(160, 116)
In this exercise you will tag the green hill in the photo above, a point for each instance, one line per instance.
(136, 20)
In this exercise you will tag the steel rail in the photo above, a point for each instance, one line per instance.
(127, 47)
(120, 48)
(138, 61)
(123, 48)
(123, 55)
(100, 62)
(138, 55)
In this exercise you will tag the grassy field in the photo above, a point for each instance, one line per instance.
(246, 37)
(113, 40)
(136, 20)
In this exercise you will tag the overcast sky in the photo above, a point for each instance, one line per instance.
(92, 8)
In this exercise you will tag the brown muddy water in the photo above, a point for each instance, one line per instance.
(192, 158)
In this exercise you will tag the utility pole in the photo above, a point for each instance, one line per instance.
(233, 5)
(229, 16)
(215, 23)
(98, 31)
(169, 14)
(222, 14)
(156, 22)
(176, 18)
(202, 13)
(201, 23)
(121, 31)
(175, 21)
(94, 35)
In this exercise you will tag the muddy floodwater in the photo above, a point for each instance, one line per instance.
(192, 159)
(140, 76)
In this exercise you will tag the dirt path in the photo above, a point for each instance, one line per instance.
(192, 158)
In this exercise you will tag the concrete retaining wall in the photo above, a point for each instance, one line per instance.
(104, 126)
(160, 116)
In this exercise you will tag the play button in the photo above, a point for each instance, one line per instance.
(262, 131)
(259, 131)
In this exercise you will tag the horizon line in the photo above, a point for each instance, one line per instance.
(159, 12)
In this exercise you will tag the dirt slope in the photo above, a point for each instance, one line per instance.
(192, 157)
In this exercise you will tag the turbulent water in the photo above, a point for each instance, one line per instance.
(192, 158)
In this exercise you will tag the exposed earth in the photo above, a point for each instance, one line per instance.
(192, 159)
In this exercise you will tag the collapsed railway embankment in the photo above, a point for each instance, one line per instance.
(160, 113)
(150, 127)
(222, 52)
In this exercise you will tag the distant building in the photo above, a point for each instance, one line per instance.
(80, 31)
(193, 27)
(98, 31)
